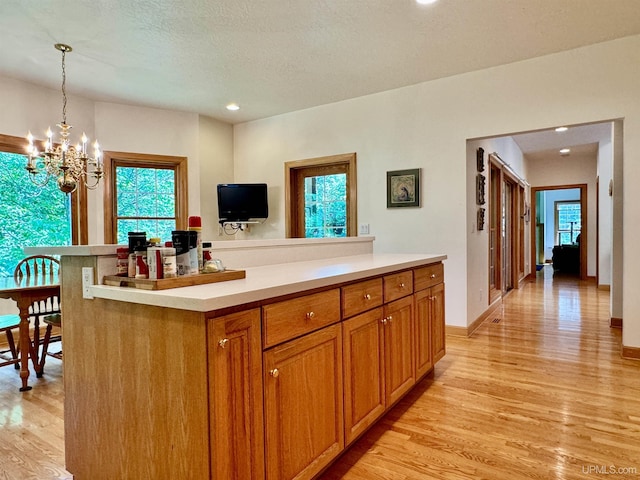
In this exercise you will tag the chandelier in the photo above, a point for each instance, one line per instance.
(69, 165)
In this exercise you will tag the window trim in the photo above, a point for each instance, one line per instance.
(292, 171)
(142, 160)
(79, 221)
(556, 218)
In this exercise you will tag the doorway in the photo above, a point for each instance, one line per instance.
(559, 235)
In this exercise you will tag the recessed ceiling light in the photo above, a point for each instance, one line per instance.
(561, 129)
(565, 151)
(233, 107)
(426, 2)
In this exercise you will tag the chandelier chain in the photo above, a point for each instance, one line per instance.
(64, 90)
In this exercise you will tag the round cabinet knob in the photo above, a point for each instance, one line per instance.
(402, 285)
(310, 315)
(433, 275)
(390, 317)
(367, 296)
(384, 321)
(223, 343)
(274, 373)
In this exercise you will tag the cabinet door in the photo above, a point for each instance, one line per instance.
(235, 392)
(437, 321)
(363, 372)
(303, 389)
(423, 329)
(398, 349)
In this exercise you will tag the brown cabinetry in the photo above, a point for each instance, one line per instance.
(235, 392)
(303, 404)
(288, 319)
(398, 349)
(423, 332)
(264, 390)
(429, 317)
(378, 356)
(437, 322)
(363, 346)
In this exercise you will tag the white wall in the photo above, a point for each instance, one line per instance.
(427, 125)
(28, 107)
(216, 166)
(605, 213)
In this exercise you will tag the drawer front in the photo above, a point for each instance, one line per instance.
(425, 277)
(398, 285)
(288, 319)
(361, 296)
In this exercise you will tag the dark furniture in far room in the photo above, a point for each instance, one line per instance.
(566, 258)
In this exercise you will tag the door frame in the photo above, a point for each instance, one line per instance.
(583, 218)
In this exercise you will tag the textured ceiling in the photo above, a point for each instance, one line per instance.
(278, 56)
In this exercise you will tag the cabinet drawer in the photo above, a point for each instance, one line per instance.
(398, 285)
(361, 296)
(425, 277)
(291, 318)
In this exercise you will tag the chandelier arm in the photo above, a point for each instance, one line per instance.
(34, 175)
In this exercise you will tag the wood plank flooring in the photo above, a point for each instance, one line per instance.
(540, 394)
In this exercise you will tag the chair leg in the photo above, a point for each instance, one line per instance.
(12, 348)
(45, 347)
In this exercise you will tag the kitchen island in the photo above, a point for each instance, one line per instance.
(271, 376)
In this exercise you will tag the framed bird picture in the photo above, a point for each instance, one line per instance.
(403, 188)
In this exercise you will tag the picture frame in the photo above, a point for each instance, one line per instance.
(403, 188)
(481, 181)
(481, 211)
(480, 159)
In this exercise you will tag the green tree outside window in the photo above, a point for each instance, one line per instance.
(31, 215)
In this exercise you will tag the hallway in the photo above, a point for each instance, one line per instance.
(540, 392)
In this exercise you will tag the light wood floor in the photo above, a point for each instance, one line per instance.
(540, 394)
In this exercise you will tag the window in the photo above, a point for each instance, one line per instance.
(33, 215)
(568, 222)
(320, 197)
(325, 203)
(144, 193)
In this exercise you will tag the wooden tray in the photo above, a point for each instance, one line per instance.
(164, 283)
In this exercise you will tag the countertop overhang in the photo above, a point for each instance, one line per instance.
(269, 281)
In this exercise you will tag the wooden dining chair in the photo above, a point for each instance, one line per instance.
(7, 324)
(39, 267)
(46, 312)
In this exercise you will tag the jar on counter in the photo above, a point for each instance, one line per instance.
(169, 261)
(207, 252)
(142, 270)
(122, 261)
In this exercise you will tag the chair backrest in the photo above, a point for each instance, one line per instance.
(41, 266)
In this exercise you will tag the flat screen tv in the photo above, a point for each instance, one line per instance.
(242, 202)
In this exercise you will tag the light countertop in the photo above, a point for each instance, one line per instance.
(269, 281)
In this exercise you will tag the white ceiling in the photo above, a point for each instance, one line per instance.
(581, 139)
(278, 56)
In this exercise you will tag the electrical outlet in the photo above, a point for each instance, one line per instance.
(87, 281)
(364, 229)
